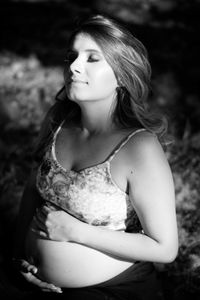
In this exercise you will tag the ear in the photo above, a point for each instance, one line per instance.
(61, 95)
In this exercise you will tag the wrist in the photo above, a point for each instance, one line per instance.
(82, 233)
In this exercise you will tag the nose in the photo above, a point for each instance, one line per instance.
(76, 66)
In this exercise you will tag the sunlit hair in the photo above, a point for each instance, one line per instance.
(129, 60)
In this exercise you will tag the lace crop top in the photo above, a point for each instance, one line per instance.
(90, 194)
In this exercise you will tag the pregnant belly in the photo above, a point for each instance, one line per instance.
(69, 264)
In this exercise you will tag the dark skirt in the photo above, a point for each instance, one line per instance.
(138, 282)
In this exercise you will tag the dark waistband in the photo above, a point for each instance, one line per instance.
(139, 271)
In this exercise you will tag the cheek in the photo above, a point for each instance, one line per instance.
(106, 79)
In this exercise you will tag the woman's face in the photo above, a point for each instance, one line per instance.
(88, 76)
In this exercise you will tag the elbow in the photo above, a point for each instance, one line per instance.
(167, 250)
(170, 257)
(169, 254)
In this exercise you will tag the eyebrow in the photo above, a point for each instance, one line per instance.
(87, 50)
(92, 50)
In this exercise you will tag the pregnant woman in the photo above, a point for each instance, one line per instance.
(99, 207)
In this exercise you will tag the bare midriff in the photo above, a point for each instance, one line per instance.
(67, 264)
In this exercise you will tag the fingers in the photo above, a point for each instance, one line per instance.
(28, 267)
(28, 271)
(43, 224)
(44, 286)
(25, 266)
(40, 233)
(40, 218)
(37, 224)
(46, 209)
(39, 227)
(39, 221)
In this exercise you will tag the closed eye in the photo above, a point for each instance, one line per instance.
(72, 55)
(93, 58)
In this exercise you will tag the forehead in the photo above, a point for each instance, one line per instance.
(84, 42)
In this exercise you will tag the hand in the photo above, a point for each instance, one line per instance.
(56, 225)
(29, 272)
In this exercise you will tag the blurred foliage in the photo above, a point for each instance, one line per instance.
(32, 49)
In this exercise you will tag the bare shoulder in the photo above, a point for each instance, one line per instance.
(149, 173)
(143, 143)
(145, 151)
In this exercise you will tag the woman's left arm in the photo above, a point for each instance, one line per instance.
(151, 190)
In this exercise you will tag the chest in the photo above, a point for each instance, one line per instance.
(90, 195)
(74, 152)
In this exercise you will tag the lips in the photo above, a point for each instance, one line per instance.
(77, 80)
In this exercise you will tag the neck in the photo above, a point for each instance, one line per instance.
(96, 118)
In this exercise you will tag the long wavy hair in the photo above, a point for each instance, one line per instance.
(128, 58)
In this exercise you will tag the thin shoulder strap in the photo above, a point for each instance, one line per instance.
(58, 129)
(124, 141)
(54, 139)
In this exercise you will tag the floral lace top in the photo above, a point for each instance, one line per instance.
(90, 194)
